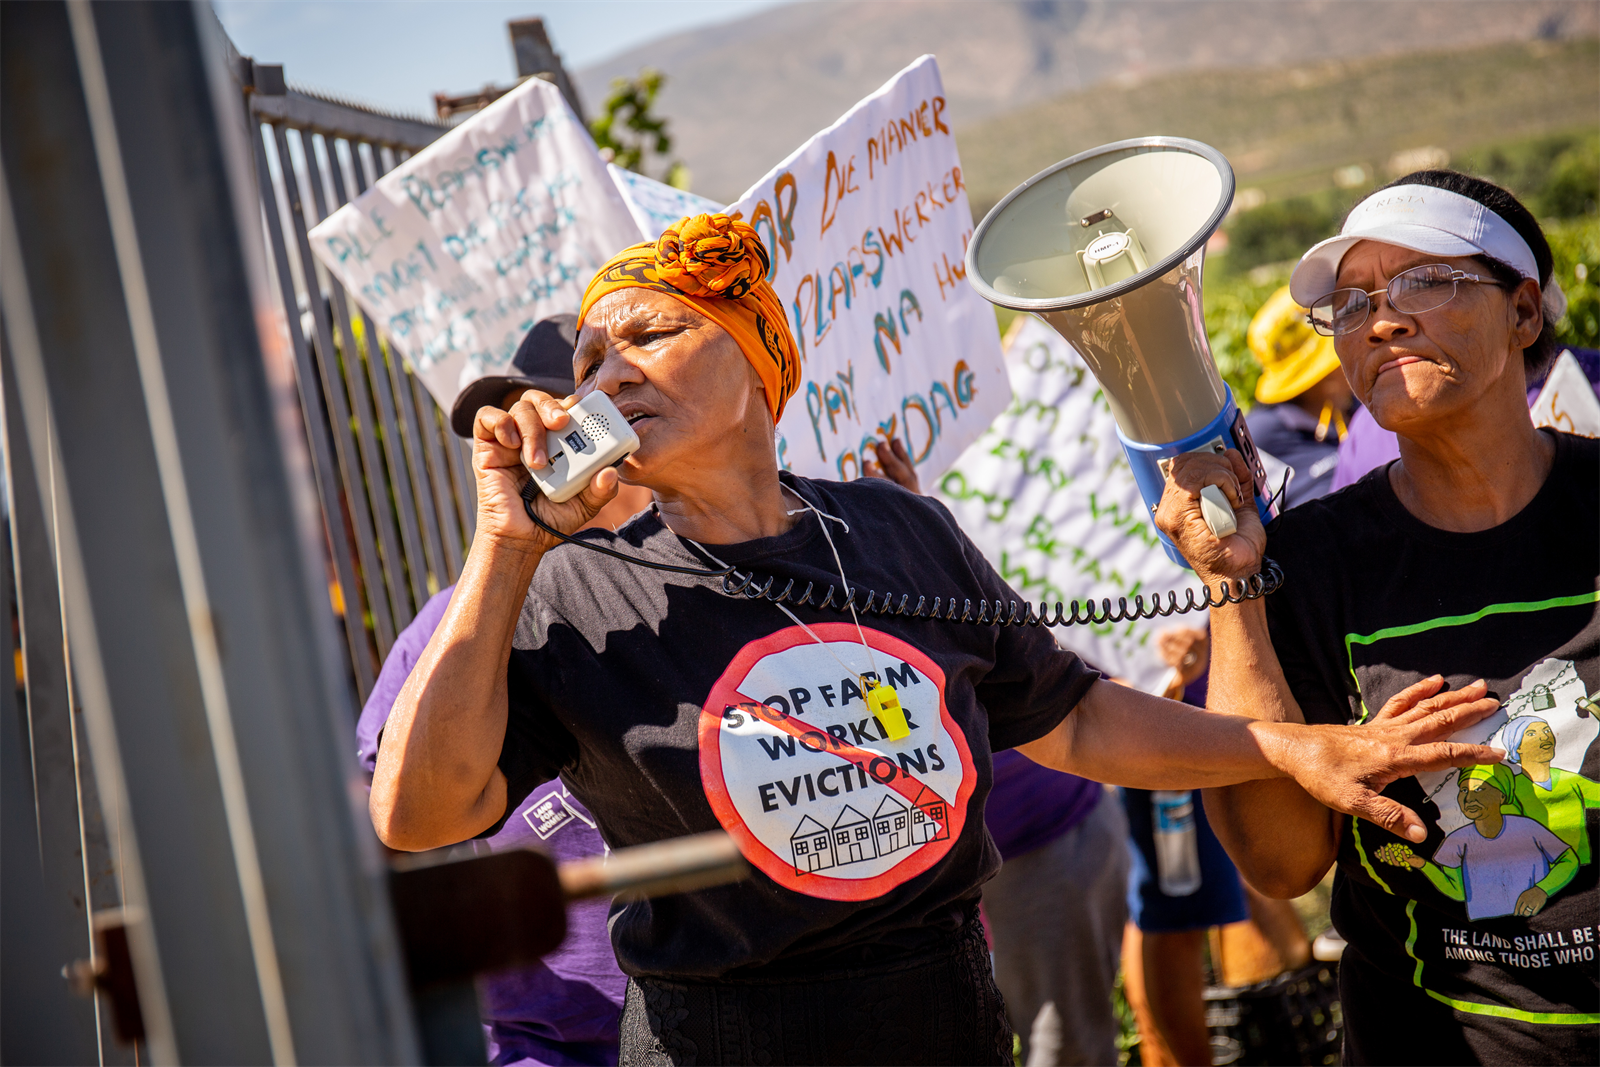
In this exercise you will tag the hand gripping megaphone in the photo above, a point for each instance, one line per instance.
(1106, 248)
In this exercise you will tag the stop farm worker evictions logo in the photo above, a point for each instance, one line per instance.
(806, 779)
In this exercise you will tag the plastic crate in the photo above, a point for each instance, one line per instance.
(1291, 1019)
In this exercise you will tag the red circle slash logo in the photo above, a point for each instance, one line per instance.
(808, 780)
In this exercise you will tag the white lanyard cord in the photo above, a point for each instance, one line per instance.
(822, 516)
(837, 562)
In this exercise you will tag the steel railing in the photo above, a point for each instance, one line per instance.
(394, 483)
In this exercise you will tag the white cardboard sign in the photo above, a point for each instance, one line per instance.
(1047, 495)
(1567, 401)
(657, 205)
(868, 224)
(459, 250)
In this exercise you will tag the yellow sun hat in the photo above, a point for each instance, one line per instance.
(1293, 356)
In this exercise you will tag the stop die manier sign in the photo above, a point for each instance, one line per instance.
(807, 780)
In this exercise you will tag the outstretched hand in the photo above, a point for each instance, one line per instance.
(1347, 767)
(505, 446)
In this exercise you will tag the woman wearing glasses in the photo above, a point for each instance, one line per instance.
(1465, 569)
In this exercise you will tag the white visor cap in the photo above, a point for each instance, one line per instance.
(1421, 218)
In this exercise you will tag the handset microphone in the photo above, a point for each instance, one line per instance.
(1106, 248)
(596, 437)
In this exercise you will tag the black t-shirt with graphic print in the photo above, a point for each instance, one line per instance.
(672, 709)
(1444, 965)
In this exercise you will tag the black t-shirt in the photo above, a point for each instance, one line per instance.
(671, 709)
(1442, 967)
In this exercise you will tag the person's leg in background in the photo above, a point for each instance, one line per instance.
(1163, 977)
(1055, 918)
(1164, 950)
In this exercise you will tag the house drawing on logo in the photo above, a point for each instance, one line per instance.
(930, 817)
(891, 831)
(852, 837)
(811, 846)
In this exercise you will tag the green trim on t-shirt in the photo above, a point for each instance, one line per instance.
(1350, 640)
(1355, 830)
(1498, 1011)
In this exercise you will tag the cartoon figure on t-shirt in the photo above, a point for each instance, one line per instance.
(1497, 864)
(1549, 720)
(1541, 791)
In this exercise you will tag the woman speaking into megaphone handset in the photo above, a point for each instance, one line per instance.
(1464, 572)
(847, 750)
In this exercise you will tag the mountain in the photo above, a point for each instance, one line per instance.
(743, 94)
(1287, 130)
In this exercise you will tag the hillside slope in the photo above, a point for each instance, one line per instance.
(1285, 131)
(743, 94)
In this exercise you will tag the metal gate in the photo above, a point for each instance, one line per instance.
(395, 485)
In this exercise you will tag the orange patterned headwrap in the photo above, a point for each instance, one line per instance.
(718, 266)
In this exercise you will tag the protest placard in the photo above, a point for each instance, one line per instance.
(657, 205)
(1048, 497)
(867, 224)
(1567, 401)
(459, 250)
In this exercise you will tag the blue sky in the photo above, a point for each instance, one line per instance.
(397, 53)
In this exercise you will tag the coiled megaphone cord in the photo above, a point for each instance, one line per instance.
(989, 613)
(1011, 613)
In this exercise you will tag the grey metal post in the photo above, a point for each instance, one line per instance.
(135, 302)
(72, 848)
(30, 986)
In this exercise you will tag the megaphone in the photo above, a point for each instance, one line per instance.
(1106, 248)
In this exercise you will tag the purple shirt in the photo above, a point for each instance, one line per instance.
(1369, 446)
(563, 1009)
(1030, 806)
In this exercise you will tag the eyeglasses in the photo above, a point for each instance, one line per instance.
(1411, 291)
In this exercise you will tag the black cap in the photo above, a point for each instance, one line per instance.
(543, 361)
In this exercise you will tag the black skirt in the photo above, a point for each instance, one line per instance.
(940, 1006)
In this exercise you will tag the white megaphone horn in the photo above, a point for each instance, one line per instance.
(1106, 248)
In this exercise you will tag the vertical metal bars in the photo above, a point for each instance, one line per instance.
(192, 550)
(43, 1025)
(404, 493)
(323, 450)
(380, 371)
(65, 813)
(338, 407)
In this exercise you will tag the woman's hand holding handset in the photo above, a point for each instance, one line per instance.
(505, 446)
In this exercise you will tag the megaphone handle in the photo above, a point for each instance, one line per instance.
(1217, 512)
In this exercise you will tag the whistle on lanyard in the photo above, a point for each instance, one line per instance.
(884, 703)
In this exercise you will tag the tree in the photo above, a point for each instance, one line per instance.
(628, 133)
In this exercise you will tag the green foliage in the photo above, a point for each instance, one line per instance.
(629, 130)
(1279, 231)
(1231, 301)
(1574, 185)
(1557, 176)
(1576, 246)
(1127, 1025)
